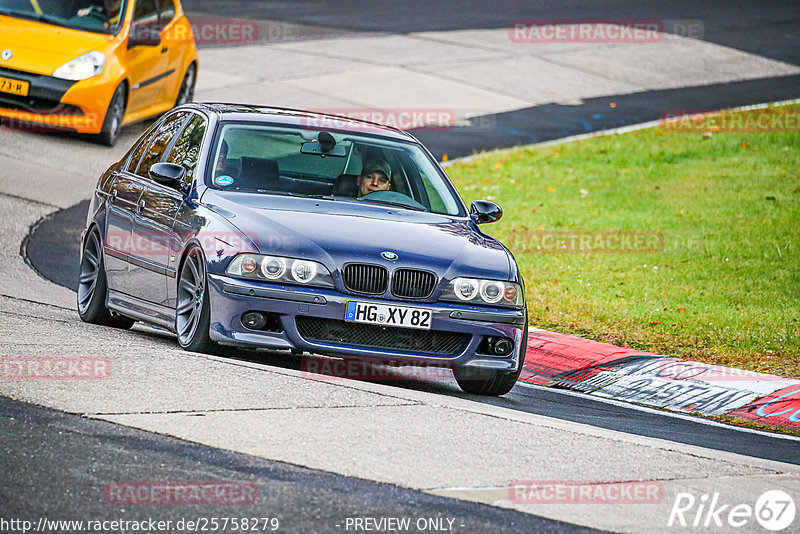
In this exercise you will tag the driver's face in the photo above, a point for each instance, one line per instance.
(374, 181)
(222, 161)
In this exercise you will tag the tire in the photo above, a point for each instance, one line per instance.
(112, 124)
(488, 382)
(186, 90)
(193, 310)
(93, 287)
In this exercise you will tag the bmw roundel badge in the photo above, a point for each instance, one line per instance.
(387, 255)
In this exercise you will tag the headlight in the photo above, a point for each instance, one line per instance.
(279, 269)
(88, 65)
(476, 291)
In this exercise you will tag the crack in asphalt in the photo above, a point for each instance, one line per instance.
(39, 303)
(3, 312)
(266, 409)
(32, 201)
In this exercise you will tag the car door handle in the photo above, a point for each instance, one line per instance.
(164, 50)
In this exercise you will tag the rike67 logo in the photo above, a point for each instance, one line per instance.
(774, 510)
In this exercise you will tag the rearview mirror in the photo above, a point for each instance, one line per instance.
(324, 145)
(144, 36)
(169, 174)
(485, 211)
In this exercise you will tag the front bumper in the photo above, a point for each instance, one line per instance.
(55, 104)
(231, 298)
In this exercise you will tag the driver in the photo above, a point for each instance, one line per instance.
(108, 9)
(376, 175)
(222, 160)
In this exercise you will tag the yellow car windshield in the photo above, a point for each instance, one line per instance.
(99, 16)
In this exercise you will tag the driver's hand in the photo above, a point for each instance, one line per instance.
(84, 12)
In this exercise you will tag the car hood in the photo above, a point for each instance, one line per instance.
(340, 232)
(41, 48)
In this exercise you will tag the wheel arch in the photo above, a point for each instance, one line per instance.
(124, 82)
(192, 243)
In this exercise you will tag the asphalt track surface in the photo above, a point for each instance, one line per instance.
(769, 28)
(303, 500)
(53, 248)
(766, 28)
(35, 439)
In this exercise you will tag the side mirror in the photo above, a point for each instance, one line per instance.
(485, 211)
(169, 174)
(144, 36)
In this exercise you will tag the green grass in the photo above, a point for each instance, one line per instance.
(724, 285)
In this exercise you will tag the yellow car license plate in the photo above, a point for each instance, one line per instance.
(15, 87)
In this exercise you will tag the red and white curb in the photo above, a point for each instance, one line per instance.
(608, 371)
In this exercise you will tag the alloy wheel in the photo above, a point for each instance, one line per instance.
(117, 113)
(191, 295)
(89, 272)
(186, 93)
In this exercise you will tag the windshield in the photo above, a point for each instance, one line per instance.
(99, 16)
(312, 163)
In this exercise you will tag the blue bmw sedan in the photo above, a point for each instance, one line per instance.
(280, 229)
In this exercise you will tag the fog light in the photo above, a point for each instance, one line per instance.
(503, 347)
(254, 320)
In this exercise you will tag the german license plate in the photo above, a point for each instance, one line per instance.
(380, 314)
(15, 87)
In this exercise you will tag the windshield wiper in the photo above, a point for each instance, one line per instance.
(39, 17)
(390, 203)
(296, 195)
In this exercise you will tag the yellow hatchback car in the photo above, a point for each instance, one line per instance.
(92, 66)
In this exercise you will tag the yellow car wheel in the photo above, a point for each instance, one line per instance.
(186, 92)
(112, 124)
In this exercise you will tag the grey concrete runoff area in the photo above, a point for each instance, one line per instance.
(321, 449)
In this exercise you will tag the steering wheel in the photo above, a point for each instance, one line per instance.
(97, 12)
